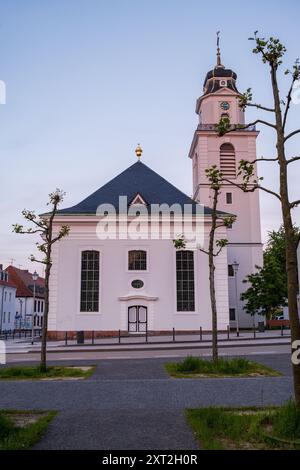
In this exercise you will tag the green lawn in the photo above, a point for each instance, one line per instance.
(247, 428)
(52, 372)
(17, 436)
(194, 367)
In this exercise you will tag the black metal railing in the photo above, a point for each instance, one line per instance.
(212, 127)
(20, 333)
(170, 336)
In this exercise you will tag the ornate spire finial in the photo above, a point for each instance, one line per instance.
(219, 64)
(138, 151)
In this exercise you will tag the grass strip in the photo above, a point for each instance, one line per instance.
(247, 428)
(194, 367)
(13, 437)
(52, 372)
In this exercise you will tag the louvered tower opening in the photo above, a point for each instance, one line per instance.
(227, 161)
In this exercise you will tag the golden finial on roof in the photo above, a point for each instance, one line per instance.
(219, 64)
(138, 151)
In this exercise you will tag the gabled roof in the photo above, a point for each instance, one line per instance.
(7, 284)
(137, 179)
(22, 279)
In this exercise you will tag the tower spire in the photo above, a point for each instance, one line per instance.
(219, 64)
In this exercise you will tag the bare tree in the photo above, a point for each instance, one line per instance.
(215, 246)
(44, 226)
(271, 52)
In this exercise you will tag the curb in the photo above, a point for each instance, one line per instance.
(155, 348)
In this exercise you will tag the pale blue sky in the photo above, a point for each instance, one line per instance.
(88, 79)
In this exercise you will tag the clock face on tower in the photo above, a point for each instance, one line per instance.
(225, 105)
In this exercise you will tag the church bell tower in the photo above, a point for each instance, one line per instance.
(220, 99)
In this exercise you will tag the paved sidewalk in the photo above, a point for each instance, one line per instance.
(119, 430)
(154, 342)
(134, 404)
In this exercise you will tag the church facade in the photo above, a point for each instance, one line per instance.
(119, 270)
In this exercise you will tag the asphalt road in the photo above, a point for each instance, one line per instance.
(134, 404)
(144, 354)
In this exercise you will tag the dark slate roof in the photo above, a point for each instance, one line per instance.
(214, 85)
(137, 179)
(220, 72)
(213, 77)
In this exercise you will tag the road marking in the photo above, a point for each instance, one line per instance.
(255, 353)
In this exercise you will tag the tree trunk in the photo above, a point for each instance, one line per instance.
(291, 247)
(43, 364)
(212, 278)
(213, 308)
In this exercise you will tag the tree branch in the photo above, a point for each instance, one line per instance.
(297, 131)
(214, 254)
(259, 106)
(262, 159)
(291, 160)
(218, 252)
(39, 224)
(289, 99)
(294, 204)
(34, 260)
(29, 231)
(236, 127)
(254, 187)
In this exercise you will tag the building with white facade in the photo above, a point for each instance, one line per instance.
(133, 282)
(26, 303)
(7, 301)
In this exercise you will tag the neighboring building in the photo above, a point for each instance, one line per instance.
(245, 250)
(7, 301)
(103, 284)
(25, 303)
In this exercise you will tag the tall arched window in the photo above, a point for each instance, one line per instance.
(227, 161)
(185, 281)
(89, 294)
(137, 260)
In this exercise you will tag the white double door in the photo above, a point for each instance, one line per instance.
(137, 319)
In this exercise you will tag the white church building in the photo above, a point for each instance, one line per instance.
(119, 270)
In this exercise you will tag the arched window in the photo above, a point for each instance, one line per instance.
(185, 281)
(89, 295)
(227, 161)
(137, 260)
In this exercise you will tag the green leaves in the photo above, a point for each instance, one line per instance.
(179, 243)
(214, 176)
(56, 197)
(223, 126)
(246, 169)
(245, 99)
(222, 242)
(271, 50)
(229, 220)
(268, 287)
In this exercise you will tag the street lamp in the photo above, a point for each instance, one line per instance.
(235, 266)
(35, 277)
